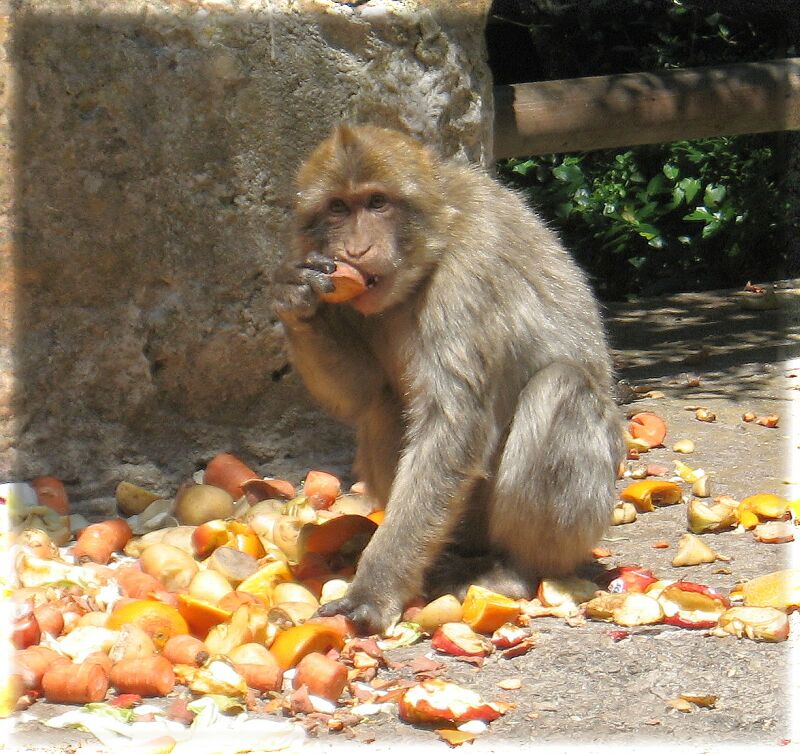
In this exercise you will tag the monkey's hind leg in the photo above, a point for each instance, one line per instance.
(554, 486)
(453, 573)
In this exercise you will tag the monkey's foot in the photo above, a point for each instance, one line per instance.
(368, 615)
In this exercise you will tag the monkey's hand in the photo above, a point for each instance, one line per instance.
(299, 285)
(371, 612)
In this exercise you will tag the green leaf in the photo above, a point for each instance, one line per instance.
(671, 171)
(714, 194)
(701, 213)
(647, 231)
(523, 168)
(690, 187)
(656, 185)
(568, 173)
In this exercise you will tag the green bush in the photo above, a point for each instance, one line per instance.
(686, 215)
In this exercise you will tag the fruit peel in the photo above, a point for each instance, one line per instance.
(648, 493)
(459, 640)
(485, 610)
(435, 700)
(779, 589)
(690, 605)
(692, 551)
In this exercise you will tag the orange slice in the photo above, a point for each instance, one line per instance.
(645, 493)
(293, 644)
(485, 610)
(157, 619)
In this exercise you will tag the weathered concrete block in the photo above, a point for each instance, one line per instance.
(147, 152)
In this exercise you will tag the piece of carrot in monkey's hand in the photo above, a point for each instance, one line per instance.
(348, 282)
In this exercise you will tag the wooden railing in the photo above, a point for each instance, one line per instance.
(599, 112)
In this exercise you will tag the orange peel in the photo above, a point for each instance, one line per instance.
(293, 644)
(485, 611)
(157, 619)
(780, 589)
(763, 505)
(200, 615)
(648, 493)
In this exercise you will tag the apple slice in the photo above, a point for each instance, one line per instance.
(756, 623)
(628, 578)
(703, 517)
(638, 610)
(509, 635)
(775, 532)
(625, 609)
(566, 593)
(691, 605)
(460, 640)
(435, 701)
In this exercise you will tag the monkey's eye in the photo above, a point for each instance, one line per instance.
(377, 201)
(337, 207)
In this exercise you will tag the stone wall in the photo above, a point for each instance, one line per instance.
(147, 154)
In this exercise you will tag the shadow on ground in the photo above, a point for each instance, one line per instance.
(712, 333)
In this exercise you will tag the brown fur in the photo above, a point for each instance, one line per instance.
(475, 372)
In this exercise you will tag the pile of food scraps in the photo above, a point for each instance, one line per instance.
(211, 595)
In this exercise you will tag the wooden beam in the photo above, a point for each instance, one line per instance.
(599, 112)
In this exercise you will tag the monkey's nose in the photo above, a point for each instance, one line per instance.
(357, 254)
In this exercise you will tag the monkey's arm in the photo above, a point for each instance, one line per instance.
(446, 449)
(336, 369)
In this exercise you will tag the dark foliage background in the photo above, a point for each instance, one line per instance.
(688, 215)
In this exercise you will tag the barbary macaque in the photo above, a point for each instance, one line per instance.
(474, 369)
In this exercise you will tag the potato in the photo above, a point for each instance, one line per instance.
(199, 503)
(174, 568)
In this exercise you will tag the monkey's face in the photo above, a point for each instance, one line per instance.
(361, 228)
(359, 201)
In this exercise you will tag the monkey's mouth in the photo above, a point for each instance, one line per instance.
(372, 281)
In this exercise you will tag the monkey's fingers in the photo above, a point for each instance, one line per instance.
(366, 617)
(319, 262)
(304, 276)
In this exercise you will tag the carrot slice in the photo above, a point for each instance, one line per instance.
(71, 683)
(185, 650)
(322, 486)
(51, 492)
(97, 542)
(348, 282)
(261, 676)
(146, 676)
(321, 675)
(229, 473)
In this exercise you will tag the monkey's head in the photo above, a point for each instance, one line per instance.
(372, 197)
